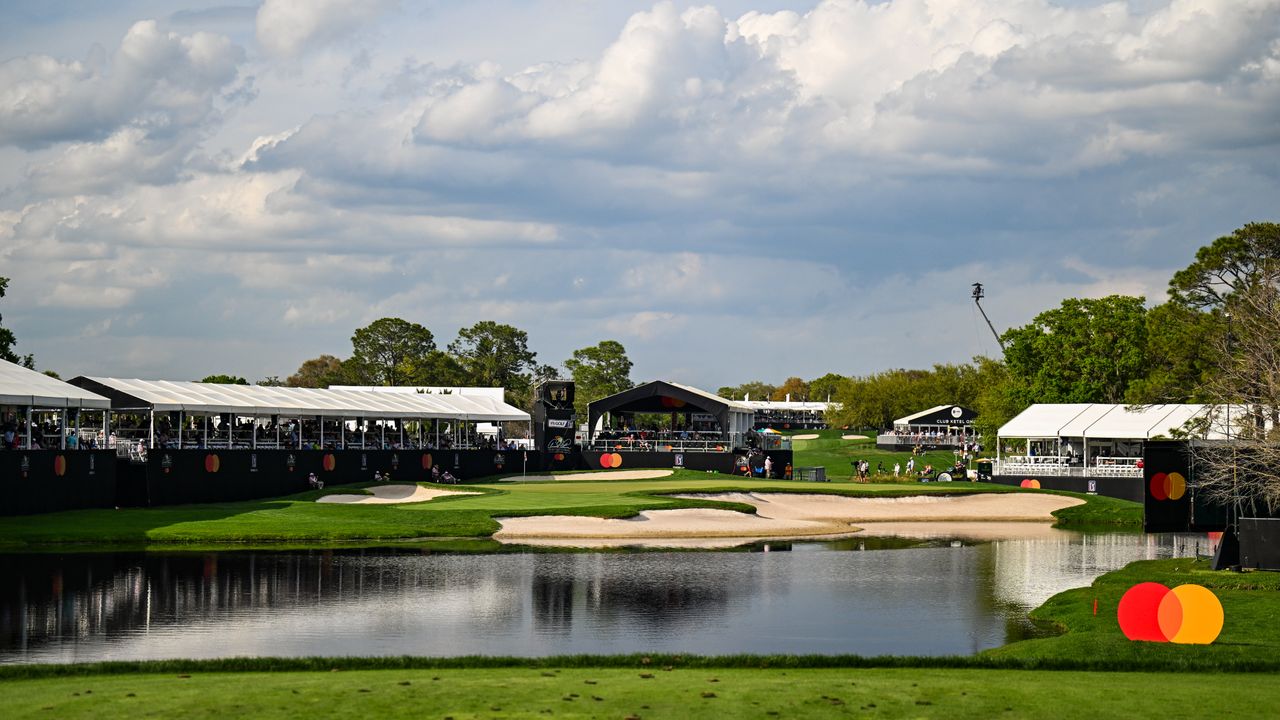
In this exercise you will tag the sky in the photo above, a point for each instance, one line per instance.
(750, 189)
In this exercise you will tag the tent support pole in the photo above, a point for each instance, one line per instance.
(151, 428)
(206, 430)
(321, 432)
(182, 420)
(253, 441)
(28, 427)
(78, 430)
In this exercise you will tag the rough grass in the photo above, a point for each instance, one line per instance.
(642, 692)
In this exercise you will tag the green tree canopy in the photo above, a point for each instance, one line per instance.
(598, 371)
(318, 372)
(390, 351)
(1246, 258)
(1086, 350)
(826, 386)
(7, 339)
(795, 387)
(495, 355)
(225, 380)
(757, 389)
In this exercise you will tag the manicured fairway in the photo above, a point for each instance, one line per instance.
(623, 693)
(834, 453)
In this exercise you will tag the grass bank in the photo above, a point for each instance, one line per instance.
(1250, 634)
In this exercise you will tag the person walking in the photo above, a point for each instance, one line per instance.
(768, 467)
(897, 469)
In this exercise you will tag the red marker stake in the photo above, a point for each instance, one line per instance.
(1095, 607)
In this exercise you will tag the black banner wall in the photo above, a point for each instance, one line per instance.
(176, 477)
(40, 481)
(1167, 482)
(1121, 488)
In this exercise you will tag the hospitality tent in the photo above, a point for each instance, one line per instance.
(336, 404)
(732, 417)
(1104, 433)
(26, 389)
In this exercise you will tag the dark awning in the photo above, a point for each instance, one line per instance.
(660, 396)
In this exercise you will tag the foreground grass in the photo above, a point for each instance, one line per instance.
(643, 693)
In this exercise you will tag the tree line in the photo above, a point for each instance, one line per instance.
(394, 351)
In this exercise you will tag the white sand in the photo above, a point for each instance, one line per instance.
(785, 515)
(809, 436)
(391, 495)
(853, 437)
(597, 475)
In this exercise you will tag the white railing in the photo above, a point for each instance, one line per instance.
(1062, 466)
(621, 445)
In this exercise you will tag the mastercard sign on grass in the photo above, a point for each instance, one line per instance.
(1186, 615)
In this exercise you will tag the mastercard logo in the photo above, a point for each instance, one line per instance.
(1171, 486)
(1031, 483)
(1186, 615)
(60, 466)
(610, 460)
(426, 461)
(329, 462)
(558, 457)
(671, 402)
(212, 463)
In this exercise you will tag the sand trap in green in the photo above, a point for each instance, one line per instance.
(809, 436)
(391, 495)
(853, 437)
(787, 515)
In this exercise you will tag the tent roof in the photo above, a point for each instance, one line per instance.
(649, 398)
(1102, 421)
(25, 387)
(171, 395)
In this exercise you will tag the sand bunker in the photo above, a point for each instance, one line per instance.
(785, 515)
(391, 495)
(598, 475)
(809, 436)
(853, 437)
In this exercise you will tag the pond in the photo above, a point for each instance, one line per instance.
(866, 596)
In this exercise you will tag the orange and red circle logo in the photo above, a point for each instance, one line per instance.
(1171, 486)
(558, 457)
(610, 460)
(60, 466)
(329, 462)
(670, 402)
(1186, 615)
(426, 461)
(212, 463)
(1031, 483)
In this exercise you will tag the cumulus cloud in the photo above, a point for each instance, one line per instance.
(289, 27)
(156, 80)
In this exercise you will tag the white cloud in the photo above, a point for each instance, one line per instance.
(289, 27)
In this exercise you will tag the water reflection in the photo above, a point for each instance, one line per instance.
(819, 598)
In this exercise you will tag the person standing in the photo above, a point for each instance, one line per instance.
(768, 467)
(911, 465)
(897, 468)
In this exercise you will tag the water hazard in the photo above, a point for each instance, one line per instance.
(861, 596)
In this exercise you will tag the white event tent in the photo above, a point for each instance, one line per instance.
(1098, 439)
(23, 388)
(337, 404)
